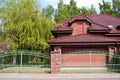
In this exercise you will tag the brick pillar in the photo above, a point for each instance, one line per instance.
(55, 61)
(111, 53)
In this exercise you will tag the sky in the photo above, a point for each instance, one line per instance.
(80, 3)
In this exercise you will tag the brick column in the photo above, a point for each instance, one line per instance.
(55, 61)
(111, 53)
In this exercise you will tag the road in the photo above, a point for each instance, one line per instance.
(59, 78)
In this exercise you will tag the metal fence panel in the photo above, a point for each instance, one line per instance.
(24, 61)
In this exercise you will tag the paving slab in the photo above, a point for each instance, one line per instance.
(80, 75)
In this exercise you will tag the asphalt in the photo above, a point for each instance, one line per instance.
(61, 75)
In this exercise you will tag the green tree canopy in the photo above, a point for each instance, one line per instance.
(66, 11)
(70, 10)
(105, 8)
(116, 7)
(26, 27)
(88, 11)
(48, 11)
(73, 9)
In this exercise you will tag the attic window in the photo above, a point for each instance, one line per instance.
(118, 27)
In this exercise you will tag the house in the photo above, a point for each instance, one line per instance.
(85, 41)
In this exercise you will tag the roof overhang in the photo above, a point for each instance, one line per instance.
(117, 34)
(61, 31)
(82, 44)
(96, 30)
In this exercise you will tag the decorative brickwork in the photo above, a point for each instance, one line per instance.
(80, 27)
(111, 52)
(56, 60)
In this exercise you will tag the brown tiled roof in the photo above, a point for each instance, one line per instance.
(99, 22)
(105, 19)
(65, 21)
(64, 24)
(95, 26)
(85, 38)
(64, 27)
(114, 31)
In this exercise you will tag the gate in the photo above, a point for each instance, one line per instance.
(24, 61)
(90, 61)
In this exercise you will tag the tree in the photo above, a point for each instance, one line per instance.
(88, 11)
(116, 7)
(105, 8)
(26, 27)
(73, 9)
(48, 11)
(92, 10)
(66, 11)
(60, 12)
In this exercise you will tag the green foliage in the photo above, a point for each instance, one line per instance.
(26, 27)
(105, 8)
(116, 7)
(110, 8)
(89, 11)
(68, 11)
(48, 11)
(61, 12)
(73, 9)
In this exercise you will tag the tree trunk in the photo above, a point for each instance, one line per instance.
(14, 59)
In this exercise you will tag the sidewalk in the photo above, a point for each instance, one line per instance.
(80, 75)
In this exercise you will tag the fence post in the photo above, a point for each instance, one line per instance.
(21, 56)
(90, 58)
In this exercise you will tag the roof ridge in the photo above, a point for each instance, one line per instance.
(99, 24)
(83, 16)
(63, 20)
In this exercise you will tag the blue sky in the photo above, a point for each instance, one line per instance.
(80, 3)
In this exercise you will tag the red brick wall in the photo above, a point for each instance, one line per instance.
(98, 60)
(83, 60)
(69, 59)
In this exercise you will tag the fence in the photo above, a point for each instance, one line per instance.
(37, 62)
(90, 61)
(24, 61)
